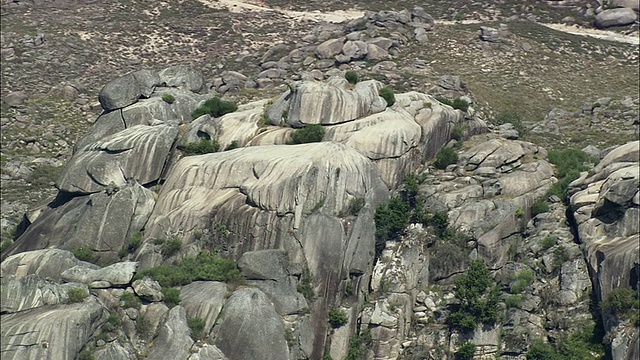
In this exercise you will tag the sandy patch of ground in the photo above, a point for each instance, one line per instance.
(600, 34)
(244, 6)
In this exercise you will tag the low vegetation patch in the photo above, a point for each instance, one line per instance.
(445, 157)
(130, 300)
(569, 163)
(522, 280)
(513, 301)
(168, 98)
(86, 254)
(197, 328)
(539, 207)
(466, 351)
(204, 146)
(308, 134)
(623, 303)
(171, 297)
(457, 103)
(205, 266)
(387, 94)
(305, 285)
(112, 324)
(359, 345)
(352, 77)
(391, 218)
(337, 318)
(171, 246)
(548, 242)
(76, 295)
(215, 108)
(513, 119)
(582, 344)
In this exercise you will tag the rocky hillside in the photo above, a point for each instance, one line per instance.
(319, 198)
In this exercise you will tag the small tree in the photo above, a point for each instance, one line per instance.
(337, 318)
(445, 157)
(215, 108)
(466, 351)
(478, 297)
(352, 77)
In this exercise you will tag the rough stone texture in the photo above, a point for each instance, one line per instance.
(615, 17)
(329, 48)
(100, 220)
(52, 332)
(113, 351)
(116, 274)
(204, 300)
(173, 341)
(269, 264)
(46, 264)
(32, 291)
(248, 312)
(138, 152)
(127, 89)
(148, 289)
(183, 77)
(209, 352)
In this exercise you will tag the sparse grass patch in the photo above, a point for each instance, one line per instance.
(539, 207)
(569, 163)
(215, 107)
(197, 328)
(522, 280)
(621, 302)
(305, 285)
(513, 301)
(113, 323)
(130, 300)
(77, 295)
(171, 246)
(548, 242)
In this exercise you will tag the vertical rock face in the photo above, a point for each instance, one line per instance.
(247, 317)
(173, 340)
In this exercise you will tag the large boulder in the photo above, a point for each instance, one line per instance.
(127, 89)
(51, 332)
(173, 341)
(249, 312)
(104, 222)
(615, 17)
(139, 152)
(204, 300)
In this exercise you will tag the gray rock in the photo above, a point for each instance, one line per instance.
(615, 17)
(489, 34)
(98, 220)
(116, 274)
(209, 352)
(15, 98)
(113, 351)
(264, 264)
(148, 289)
(204, 300)
(354, 50)
(376, 53)
(57, 332)
(329, 48)
(592, 151)
(139, 152)
(127, 89)
(173, 341)
(283, 294)
(183, 77)
(46, 264)
(632, 4)
(239, 341)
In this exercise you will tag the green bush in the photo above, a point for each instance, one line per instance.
(387, 94)
(560, 256)
(513, 301)
(522, 280)
(621, 302)
(86, 355)
(548, 242)
(214, 107)
(168, 98)
(305, 285)
(132, 247)
(359, 345)
(355, 205)
(460, 104)
(205, 267)
(232, 145)
(390, 218)
(352, 77)
(204, 146)
(197, 328)
(581, 344)
(308, 134)
(569, 163)
(113, 323)
(76, 295)
(457, 133)
(513, 119)
(445, 157)
(478, 296)
(130, 300)
(466, 351)
(171, 246)
(337, 318)
(171, 297)
(539, 207)
(542, 351)
(86, 254)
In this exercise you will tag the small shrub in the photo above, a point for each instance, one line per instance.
(390, 218)
(143, 325)
(513, 119)
(86, 355)
(387, 94)
(542, 351)
(305, 285)
(457, 133)
(352, 77)
(560, 256)
(359, 345)
(86, 254)
(232, 145)
(522, 280)
(308, 134)
(444, 101)
(513, 301)
(5, 245)
(519, 213)
(348, 289)
(204, 146)
(214, 107)
(337, 318)
(355, 206)
(621, 302)
(548, 242)
(76, 295)
(197, 328)
(113, 323)
(460, 104)
(168, 98)
(466, 351)
(478, 297)
(171, 246)
(445, 157)
(171, 297)
(569, 163)
(130, 300)
(539, 207)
